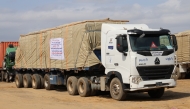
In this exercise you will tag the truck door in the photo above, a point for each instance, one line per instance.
(110, 46)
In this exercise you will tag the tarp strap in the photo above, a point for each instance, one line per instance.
(65, 43)
(49, 49)
(79, 49)
(41, 50)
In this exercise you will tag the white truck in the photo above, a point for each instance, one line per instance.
(132, 57)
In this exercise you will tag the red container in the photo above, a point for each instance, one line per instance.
(3, 46)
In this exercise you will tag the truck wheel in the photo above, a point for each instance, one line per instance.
(93, 92)
(156, 93)
(116, 90)
(2, 76)
(47, 84)
(27, 81)
(19, 80)
(36, 81)
(72, 85)
(83, 87)
(41, 81)
(178, 73)
(6, 75)
(183, 75)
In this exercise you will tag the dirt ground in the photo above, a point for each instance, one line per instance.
(14, 98)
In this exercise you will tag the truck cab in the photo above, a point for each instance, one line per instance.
(142, 59)
(9, 61)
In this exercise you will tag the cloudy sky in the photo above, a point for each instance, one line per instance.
(23, 16)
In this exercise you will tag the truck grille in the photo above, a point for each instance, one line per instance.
(155, 72)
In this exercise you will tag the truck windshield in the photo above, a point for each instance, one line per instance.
(150, 42)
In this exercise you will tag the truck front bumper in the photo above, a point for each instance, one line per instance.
(151, 84)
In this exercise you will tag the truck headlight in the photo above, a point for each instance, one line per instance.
(136, 79)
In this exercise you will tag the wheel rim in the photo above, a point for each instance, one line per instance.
(115, 89)
(25, 83)
(46, 83)
(81, 87)
(70, 86)
(16, 80)
(33, 82)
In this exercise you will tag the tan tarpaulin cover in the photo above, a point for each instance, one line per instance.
(80, 39)
(183, 53)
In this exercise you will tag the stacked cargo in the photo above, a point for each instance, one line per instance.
(64, 47)
(183, 53)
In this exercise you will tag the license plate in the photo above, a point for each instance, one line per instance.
(158, 83)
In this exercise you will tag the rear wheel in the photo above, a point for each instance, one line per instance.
(116, 90)
(72, 85)
(6, 75)
(2, 76)
(36, 81)
(156, 93)
(41, 81)
(83, 87)
(19, 80)
(47, 84)
(27, 81)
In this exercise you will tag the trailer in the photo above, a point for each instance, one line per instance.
(183, 54)
(98, 55)
(7, 60)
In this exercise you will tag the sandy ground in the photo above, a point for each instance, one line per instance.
(14, 98)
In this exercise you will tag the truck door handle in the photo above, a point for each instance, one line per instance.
(107, 53)
(116, 64)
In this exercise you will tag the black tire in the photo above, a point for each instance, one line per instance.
(156, 93)
(19, 80)
(2, 76)
(41, 81)
(36, 81)
(116, 90)
(6, 75)
(27, 81)
(47, 84)
(183, 75)
(93, 92)
(72, 85)
(83, 87)
(178, 73)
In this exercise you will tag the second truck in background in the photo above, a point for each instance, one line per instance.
(183, 54)
(7, 60)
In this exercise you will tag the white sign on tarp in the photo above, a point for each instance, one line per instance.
(56, 49)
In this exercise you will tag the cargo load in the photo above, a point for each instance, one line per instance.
(64, 47)
(183, 53)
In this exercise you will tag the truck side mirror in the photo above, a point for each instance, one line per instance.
(119, 43)
(174, 42)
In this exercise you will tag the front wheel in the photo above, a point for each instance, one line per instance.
(116, 90)
(156, 93)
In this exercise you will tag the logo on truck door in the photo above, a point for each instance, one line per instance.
(157, 60)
